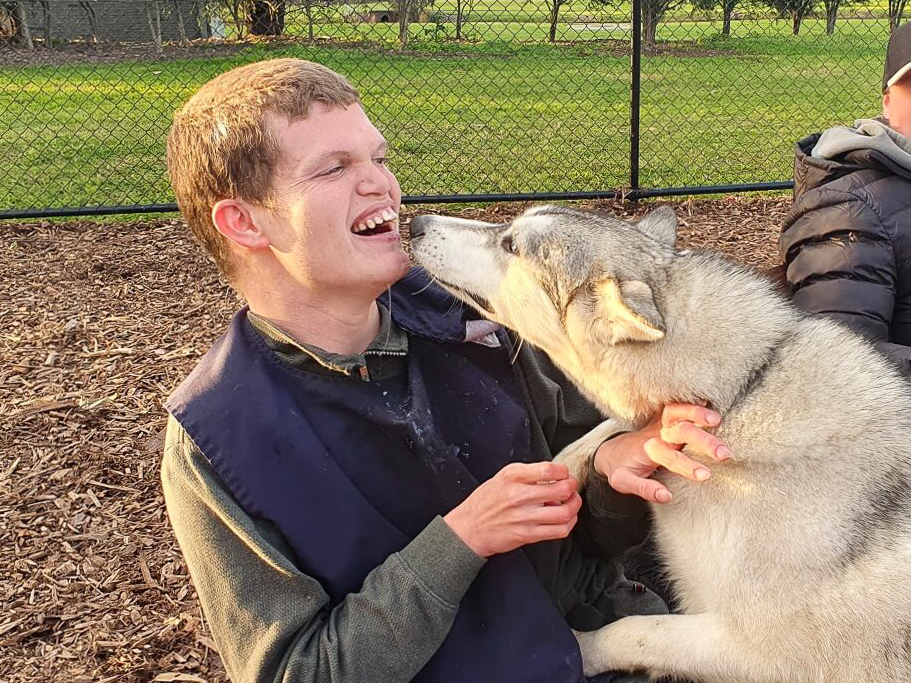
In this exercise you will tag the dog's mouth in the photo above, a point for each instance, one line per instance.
(478, 302)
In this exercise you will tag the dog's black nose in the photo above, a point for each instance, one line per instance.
(417, 226)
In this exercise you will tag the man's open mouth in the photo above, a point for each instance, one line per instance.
(382, 222)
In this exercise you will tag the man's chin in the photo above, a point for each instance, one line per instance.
(392, 270)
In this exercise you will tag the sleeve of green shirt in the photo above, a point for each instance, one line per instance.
(273, 623)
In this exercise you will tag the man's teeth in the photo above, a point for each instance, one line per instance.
(384, 217)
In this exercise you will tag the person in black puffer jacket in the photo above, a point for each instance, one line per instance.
(846, 243)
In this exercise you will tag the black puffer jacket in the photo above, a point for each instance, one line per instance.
(846, 244)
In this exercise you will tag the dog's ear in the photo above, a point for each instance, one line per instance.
(627, 312)
(660, 224)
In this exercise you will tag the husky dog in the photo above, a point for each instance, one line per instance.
(792, 563)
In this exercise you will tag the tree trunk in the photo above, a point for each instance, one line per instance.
(22, 26)
(93, 20)
(267, 18)
(726, 25)
(154, 24)
(46, 9)
(180, 25)
(308, 8)
(895, 18)
(404, 21)
(831, 16)
(649, 28)
(158, 43)
(796, 18)
(554, 18)
(458, 19)
(239, 26)
(202, 20)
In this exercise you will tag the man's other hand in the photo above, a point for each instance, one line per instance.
(522, 503)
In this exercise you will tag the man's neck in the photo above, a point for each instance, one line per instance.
(344, 328)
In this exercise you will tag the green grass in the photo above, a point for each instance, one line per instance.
(506, 112)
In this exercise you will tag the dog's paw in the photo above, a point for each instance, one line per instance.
(594, 659)
(576, 458)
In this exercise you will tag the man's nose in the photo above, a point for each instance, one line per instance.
(375, 181)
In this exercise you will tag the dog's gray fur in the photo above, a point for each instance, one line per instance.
(792, 564)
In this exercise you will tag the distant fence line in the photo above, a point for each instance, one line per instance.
(482, 100)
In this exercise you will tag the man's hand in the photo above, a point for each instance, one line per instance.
(629, 460)
(522, 503)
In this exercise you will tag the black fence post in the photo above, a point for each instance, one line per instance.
(634, 100)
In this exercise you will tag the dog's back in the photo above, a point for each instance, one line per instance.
(803, 542)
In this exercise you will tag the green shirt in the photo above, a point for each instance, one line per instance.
(272, 622)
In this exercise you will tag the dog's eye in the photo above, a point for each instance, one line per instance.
(509, 245)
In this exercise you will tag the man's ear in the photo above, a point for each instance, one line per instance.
(627, 312)
(234, 219)
(661, 225)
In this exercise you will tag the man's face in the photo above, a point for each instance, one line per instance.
(334, 221)
(897, 106)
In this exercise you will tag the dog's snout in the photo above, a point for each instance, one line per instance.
(418, 225)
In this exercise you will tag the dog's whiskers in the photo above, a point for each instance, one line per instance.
(515, 354)
(433, 281)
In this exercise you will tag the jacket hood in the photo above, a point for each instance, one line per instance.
(870, 143)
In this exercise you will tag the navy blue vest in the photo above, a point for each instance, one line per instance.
(350, 472)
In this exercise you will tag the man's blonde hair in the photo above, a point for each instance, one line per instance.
(221, 145)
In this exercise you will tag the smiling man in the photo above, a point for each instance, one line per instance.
(356, 473)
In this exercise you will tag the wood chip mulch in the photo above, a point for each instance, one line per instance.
(98, 323)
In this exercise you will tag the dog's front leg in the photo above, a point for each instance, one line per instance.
(577, 454)
(695, 647)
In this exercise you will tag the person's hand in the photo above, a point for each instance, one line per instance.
(522, 503)
(629, 460)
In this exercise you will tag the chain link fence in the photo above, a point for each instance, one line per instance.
(480, 99)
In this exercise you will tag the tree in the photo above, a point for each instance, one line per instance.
(796, 10)
(46, 13)
(896, 11)
(653, 12)
(153, 14)
(89, 10)
(308, 8)
(237, 8)
(463, 9)
(22, 30)
(554, 8)
(832, 7)
(178, 14)
(408, 11)
(727, 9)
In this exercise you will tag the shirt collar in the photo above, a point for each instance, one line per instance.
(391, 340)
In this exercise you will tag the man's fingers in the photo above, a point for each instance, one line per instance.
(556, 514)
(534, 472)
(675, 461)
(685, 412)
(624, 481)
(550, 532)
(552, 492)
(688, 434)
